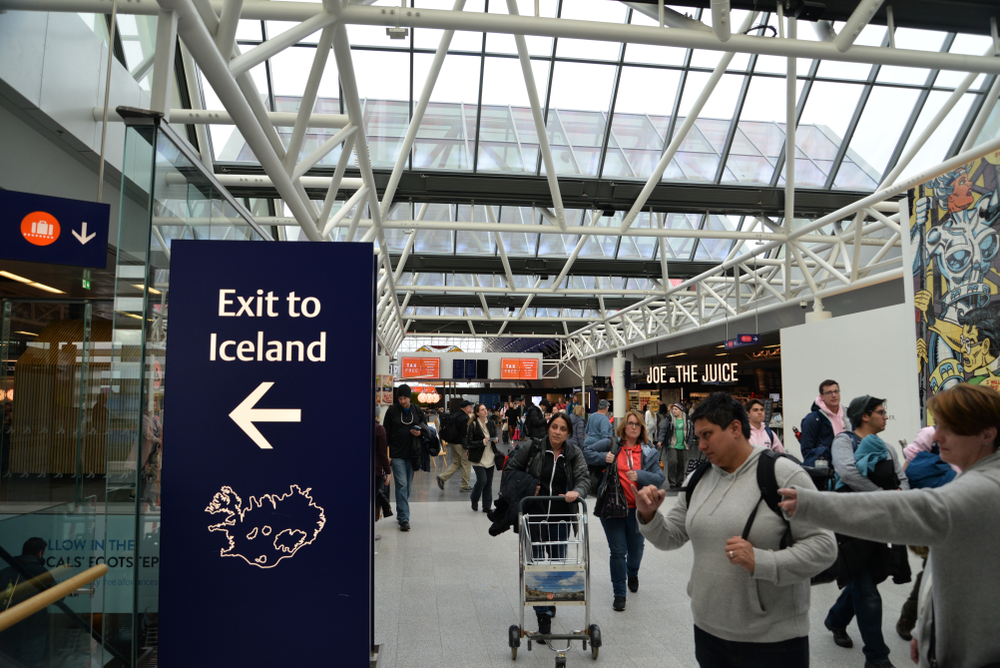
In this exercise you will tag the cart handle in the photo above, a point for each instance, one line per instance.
(526, 499)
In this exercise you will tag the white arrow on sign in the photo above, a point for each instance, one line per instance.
(245, 415)
(82, 235)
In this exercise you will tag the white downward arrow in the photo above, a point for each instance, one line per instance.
(245, 415)
(82, 235)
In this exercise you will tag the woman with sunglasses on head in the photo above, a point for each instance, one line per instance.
(638, 466)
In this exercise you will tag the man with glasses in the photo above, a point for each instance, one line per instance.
(825, 421)
(862, 559)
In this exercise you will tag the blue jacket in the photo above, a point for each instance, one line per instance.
(817, 437)
(599, 432)
(650, 473)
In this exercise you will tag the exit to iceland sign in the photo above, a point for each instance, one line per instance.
(54, 230)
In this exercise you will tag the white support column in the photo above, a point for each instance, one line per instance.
(344, 210)
(229, 21)
(163, 63)
(202, 46)
(681, 134)
(354, 224)
(352, 104)
(720, 19)
(272, 47)
(337, 180)
(536, 113)
(308, 97)
(855, 24)
(313, 158)
(418, 115)
(790, 152)
(618, 386)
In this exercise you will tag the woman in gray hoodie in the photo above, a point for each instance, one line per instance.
(956, 624)
(749, 598)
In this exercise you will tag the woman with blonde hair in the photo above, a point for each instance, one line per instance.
(638, 465)
(956, 624)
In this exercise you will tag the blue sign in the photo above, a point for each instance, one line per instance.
(37, 228)
(266, 552)
(743, 340)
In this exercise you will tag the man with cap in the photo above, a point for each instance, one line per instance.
(860, 597)
(402, 426)
(459, 451)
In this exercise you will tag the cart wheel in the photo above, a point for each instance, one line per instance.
(594, 651)
(595, 638)
(560, 662)
(514, 640)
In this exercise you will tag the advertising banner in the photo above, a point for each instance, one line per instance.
(421, 367)
(956, 273)
(267, 534)
(518, 369)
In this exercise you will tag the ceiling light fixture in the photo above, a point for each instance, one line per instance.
(28, 281)
(26, 333)
(153, 291)
(676, 355)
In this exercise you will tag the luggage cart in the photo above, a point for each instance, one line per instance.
(554, 555)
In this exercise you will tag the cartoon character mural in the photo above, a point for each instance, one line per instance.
(956, 274)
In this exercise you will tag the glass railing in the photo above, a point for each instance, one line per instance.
(52, 561)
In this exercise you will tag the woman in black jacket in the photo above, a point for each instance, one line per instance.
(562, 471)
(482, 449)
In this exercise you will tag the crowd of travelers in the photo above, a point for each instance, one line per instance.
(763, 526)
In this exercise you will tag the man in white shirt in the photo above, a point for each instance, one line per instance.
(760, 433)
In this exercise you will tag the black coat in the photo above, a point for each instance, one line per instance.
(514, 486)
(474, 440)
(401, 442)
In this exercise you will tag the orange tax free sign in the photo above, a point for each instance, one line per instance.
(421, 367)
(518, 369)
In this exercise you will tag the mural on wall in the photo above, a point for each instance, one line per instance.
(954, 222)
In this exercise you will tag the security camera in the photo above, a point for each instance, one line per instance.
(803, 304)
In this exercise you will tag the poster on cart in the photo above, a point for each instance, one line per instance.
(266, 550)
(952, 252)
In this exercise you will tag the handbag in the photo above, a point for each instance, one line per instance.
(611, 502)
(693, 464)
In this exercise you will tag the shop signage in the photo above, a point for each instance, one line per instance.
(706, 374)
(54, 230)
(743, 340)
(518, 369)
(421, 367)
(256, 521)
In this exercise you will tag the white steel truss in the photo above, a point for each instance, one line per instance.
(769, 263)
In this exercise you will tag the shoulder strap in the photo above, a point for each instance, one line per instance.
(768, 484)
(770, 435)
(693, 480)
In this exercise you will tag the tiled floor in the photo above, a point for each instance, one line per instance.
(446, 592)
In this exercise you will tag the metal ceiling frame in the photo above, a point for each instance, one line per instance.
(789, 262)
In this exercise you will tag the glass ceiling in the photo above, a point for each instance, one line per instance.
(854, 119)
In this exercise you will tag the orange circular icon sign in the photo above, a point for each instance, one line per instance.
(40, 228)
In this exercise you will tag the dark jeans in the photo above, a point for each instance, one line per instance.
(483, 486)
(540, 533)
(861, 598)
(626, 545)
(714, 652)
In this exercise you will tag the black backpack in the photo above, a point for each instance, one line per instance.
(451, 430)
(534, 423)
(768, 484)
